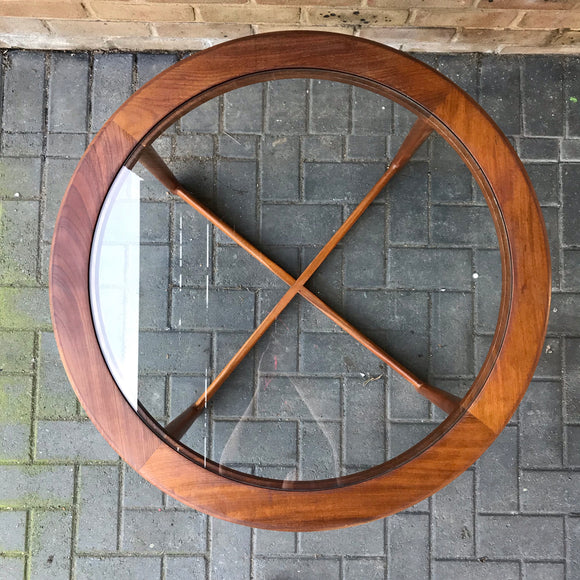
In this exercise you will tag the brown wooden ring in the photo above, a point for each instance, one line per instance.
(505, 374)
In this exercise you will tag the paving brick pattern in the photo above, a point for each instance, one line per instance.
(285, 163)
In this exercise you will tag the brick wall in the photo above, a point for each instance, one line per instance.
(508, 26)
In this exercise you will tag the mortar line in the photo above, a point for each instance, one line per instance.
(75, 521)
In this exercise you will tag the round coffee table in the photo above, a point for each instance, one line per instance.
(101, 364)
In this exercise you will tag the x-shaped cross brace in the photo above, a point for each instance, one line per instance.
(157, 167)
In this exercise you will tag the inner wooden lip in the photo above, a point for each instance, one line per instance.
(506, 297)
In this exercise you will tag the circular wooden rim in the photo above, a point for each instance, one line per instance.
(503, 379)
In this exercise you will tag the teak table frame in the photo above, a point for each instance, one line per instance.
(473, 422)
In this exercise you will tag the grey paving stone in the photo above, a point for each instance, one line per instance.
(280, 168)
(238, 146)
(364, 428)
(72, 440)
(15, 417)
(475, 570)
(571, 91)
(322, 148)
(230, 557)
(403, 119)
(366, 148)
(370, 569)
(422, 154)
(236, 187)
(98, 508)
(371, 113)
(460, 225)
(277, 350)
(65, 144)
(450, 178)
(404, 401)
(453, 519)
(539, 149)
(543, 570)
(112, 80)
(329, 107)
(192, 248)
(58, 173)
(545, 180)
(154, 222)
(519, 536)
(340, 181)
(563, 315)
(158, 531)
(24, 92)
(499, 91)
(570, 150)
(403, 436)
(250, 442)
(185, 567)
(573, 545)
(24, 308)
(497, 474)
(336, 353)
(311, 224)
(451, 331)
(16, 351)
(407, 197)
(195, 145)
(429, 269)
(18, 242)
(364, 540)
(235, 400)
(68, 92)
(152, 395)
(408, 534)
(570, 203)
(12, 531)
(55, 395)
(571, 388)
(285, 109)
(542, 110)
(28, 486)
(22, 145)
(553, 227)
(122, 568)
(573, 445)
(202, 119)
(462, 70)
(166, 352)
(364, 263)
(320, 446)
(302, 398)
(217, 309)
(265, 569)
(541, 425)
(237, 268)
(13, 567)
(549, 491)
(268, 542)
(243, 109)
(138, 492)
(50, 549)
(326, 282)
(150, 65)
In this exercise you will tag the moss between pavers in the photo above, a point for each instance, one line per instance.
(10, 271)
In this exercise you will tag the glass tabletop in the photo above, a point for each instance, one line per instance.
(282, 165)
